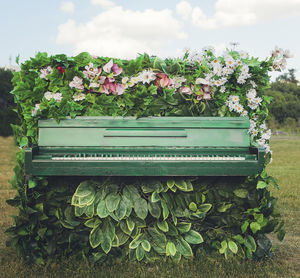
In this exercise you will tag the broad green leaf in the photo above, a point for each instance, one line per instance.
(96, 237)
(115, 242)
(281, 234)
(102, 211)
(146, 245)
(170, 249)
(141, 208)
(244, 226)
(131, 193)
(232, 246)
(254, 226)
(84, 189)
(23, 142)
(172, 230)
(181, 184)
(261, 185)
(250, 243)
(92, 223)
(112, 201)
(184, 227)
(122, 237)
(130, 224)
(192, 206)
(204, 207)
(165, 209)
(224, 207)
(136, 242)
(86, 200)
(106, 244)
(241, 193)
(224, 246)
(89, 211)
(189, 186)
(80, 210)
(170, 183)
(239, 239)
(124, 227)
(163, 225)
(193, 237)
(155, 197)
(32, 183)
(184, 248)
(154, 209)
(121, 210)
(157, 237)
(140, 253)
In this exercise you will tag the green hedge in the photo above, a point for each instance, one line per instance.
(143, 218)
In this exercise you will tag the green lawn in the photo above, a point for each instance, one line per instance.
(285, 263)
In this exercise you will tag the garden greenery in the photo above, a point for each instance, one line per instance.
(144, 218)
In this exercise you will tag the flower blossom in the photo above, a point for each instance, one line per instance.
(76, 83)
(177, 81)
(45, 72)
(56, 96)
(147, 76)
(110, 66)
(79, 96)
(163, 80)
(36, 108)
(91, 72)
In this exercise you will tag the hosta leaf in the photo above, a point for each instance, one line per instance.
(140, 253)
(86, 200)
(155, 197)
(112, 201)
(102, 211)
(84, 189)
(163, 226)
(122, 237)
(183, 227)
(154, 209)
(146, 245)
(170, 183)
(157, 237)
(192, 206)
(181, 184)
(193, 237)
(261, 185)
(121, 210)
(115, 242)
(96, 237)
(130, 224)
(124, 227)
(189, 186)
(241, 193)
(172, 230)
(89, 212)
(204, 207)
(254, 226)
(244, 226)
(141, 208)
(79, 211)
(106, 244)
(135, 242)
(165, 209)
(170, 249)
(250, 243)
(232, 246)
(131, 193)
(184, 248)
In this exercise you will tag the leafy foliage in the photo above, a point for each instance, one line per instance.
(142, 218)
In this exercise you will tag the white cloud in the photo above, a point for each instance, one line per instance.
(230, 13)
(106, 4)
(122, 33)
(67, 7)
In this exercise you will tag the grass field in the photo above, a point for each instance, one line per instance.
(285, 263)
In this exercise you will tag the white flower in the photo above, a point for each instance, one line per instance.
(238, 108)
(261, 142)
(202, 81)
(287, 54)
(178, 80)
(48, 95)
(266, 135)
(36, 108)
(147, 76)
(227, 70)
(243, 54)
(253, 106)
(208, 48)
(245, 68)
(76, 83)
(254, 132)
(257, 101)
(251, 93)
(253, 83)
(94, 85)
(241, 80)
(79, 96)
(229, 61)
(263, 126)
(45, 72)
(244, 113)
(57, 97)
(234, 98)
(222, 89)
(134, 79)
(125, 79)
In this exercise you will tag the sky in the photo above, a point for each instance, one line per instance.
(164, 28)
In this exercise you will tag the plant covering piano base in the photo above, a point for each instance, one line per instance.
(66, 207)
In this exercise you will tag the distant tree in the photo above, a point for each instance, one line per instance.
(288, 77)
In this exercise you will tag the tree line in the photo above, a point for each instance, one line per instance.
(284, 108)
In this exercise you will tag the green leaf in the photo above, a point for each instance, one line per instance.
(146, 245)
(106, 244)
(95, 237)
(154, 209)
(170, 249)
(130, 224)
(224, 246)
(261, 185)
(232, 246)
(170, 183)
(244, 227)
(112, 201)
(250, 243)
(140, 253)
(254, 226)
(204, 207)
(155, 197)
(23, 142)
(141, 208)
(102, 211)
(32, 183)
(121, 210)
(189, 186)
(165, 209)
(241, 193)
(184, 227)
(181, 185)
(184, 248)
(84, 189)
(163, 226)
(131, 193)
(281, 234)
(193, 237)
(192, 206)
(135, 242)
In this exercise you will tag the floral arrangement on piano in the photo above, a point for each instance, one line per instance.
(144, 218)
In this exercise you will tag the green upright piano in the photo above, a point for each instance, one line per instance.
(152, 146)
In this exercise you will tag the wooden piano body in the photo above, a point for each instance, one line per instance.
(152, 146)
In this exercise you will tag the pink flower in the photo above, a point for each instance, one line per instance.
(163, 80)
(102, 79)
(186, 90)
(116, 70)
(120, 89)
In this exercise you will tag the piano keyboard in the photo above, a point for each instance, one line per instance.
(148, 158)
